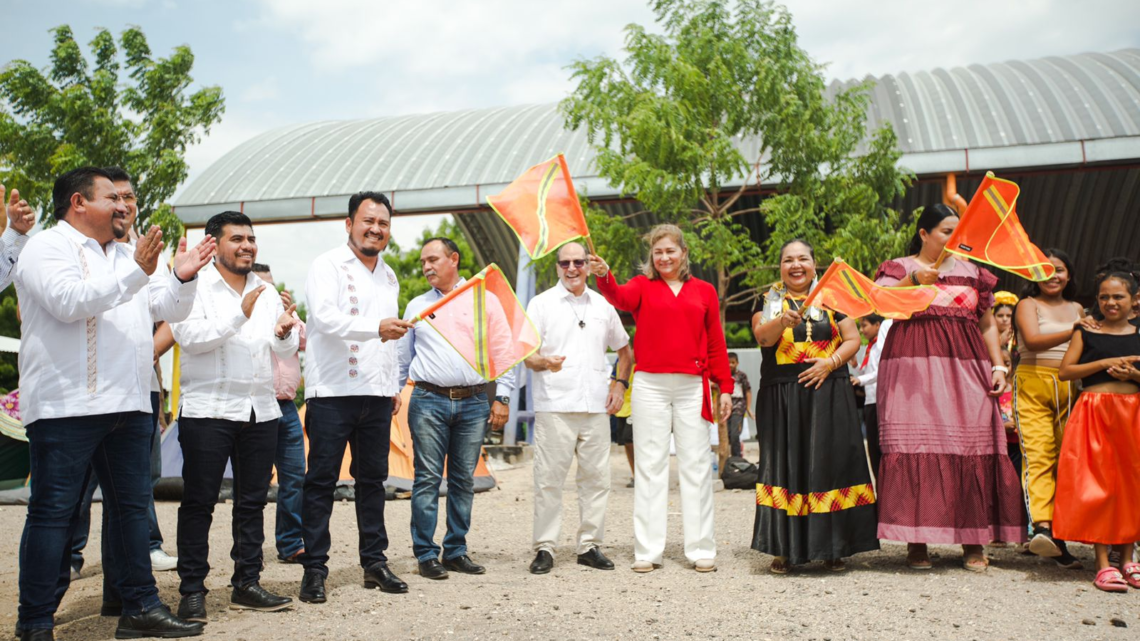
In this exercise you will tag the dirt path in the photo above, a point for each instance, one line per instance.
(1021, 597)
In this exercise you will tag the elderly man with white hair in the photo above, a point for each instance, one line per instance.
(573, 396)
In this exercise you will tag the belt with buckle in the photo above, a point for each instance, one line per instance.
(453, 393)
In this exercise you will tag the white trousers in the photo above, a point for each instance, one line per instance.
(665, 404)
(558, 436)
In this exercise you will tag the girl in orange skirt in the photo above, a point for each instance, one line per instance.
(1098, 474)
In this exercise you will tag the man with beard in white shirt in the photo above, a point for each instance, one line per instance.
(160, 561)
(351, 391)
(229, 412)
(88, 305)
(573, 396)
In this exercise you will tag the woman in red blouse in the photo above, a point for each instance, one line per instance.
(679, 348)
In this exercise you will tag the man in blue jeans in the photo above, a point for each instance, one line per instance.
(447, 417)
(88, 305)
(290, 461)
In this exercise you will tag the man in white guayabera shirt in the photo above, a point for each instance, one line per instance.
(573, 395)
(229, 412)
(88, 305)
(351, 390)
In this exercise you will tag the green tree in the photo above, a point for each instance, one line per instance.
(667, 126)
(74, 114)
(406, 262)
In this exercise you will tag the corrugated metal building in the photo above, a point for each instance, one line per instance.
(1067, 129)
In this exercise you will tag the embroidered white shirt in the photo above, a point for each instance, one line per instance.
(344, 355)
(227, 359)
(580, 328)
(87, 311)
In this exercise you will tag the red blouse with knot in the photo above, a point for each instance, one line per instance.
(676, 333)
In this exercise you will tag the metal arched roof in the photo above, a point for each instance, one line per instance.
(1055, 111)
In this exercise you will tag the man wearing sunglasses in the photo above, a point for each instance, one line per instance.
(573, 394)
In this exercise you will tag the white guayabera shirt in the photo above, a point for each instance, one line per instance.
(344, 355)
(579, 328)
(87, 315)
(227, 359)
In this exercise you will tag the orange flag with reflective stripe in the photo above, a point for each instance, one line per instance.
(542, 207)
(484, 321)
(990, 232)
(844, 290)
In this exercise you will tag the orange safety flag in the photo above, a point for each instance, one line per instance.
(484, 321)
(542, 208)
(844, 290)
(990, 232)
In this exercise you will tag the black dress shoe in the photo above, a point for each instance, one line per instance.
(595, 559)
(111, 609)
(156, 622)
(36, 635)
(543, 562)
(464, 565)
(192, 607)
(432, 569)
(255, 597)
(313, 587)
(380, 576)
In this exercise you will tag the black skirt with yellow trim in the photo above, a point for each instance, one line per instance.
(814, 499)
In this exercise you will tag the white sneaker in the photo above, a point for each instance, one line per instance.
(161, 561)
(705, 565)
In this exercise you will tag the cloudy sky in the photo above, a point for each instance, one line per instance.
(288, 61)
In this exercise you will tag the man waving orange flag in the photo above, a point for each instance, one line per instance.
(990, 232)
(542, 208)
(844, 290)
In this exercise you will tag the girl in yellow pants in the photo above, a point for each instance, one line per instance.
(1045, 320)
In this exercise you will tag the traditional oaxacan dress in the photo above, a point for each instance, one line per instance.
(945, 476)
(814, 499)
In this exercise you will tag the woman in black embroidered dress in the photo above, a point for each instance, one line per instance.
(814, 499)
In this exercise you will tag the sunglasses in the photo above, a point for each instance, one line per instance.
(578, 262)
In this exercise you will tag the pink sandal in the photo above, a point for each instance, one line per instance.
(1110, 580)
(1131, 572)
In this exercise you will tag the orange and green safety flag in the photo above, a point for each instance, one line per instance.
(990, 232)
(542, 207)
(844, 290)
(484, 321)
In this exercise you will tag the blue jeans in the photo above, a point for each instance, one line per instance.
(443, 429)
(290, 480)
(83, 529)
(60, 452)
(365, 424)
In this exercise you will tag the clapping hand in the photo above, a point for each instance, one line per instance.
(249, 300)
(148, 249)
(187, 263)
(20, 213)
(286, 322)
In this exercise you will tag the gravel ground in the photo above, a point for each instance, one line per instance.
(1020, 597)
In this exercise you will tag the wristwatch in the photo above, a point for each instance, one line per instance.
(505, 400)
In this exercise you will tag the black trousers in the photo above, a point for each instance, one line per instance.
(207, 445)
(365, 424)
(871, 421)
